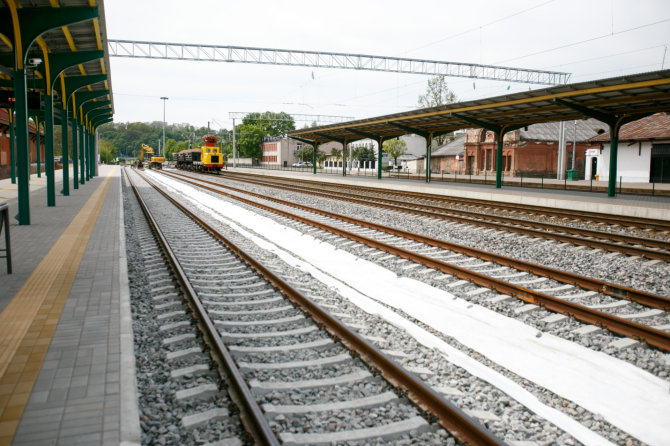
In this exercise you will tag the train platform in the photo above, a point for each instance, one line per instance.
(629, 203)
(66, 356)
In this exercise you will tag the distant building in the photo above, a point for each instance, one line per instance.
(448, 158)
(529, 151)
(280, 151)
(643, 153)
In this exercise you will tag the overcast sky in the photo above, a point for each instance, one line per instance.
(591, 39)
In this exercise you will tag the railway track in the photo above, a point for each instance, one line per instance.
(482, 205)
(434, 207)
(552, 289)
(262, 333)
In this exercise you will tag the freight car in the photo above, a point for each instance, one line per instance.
(207, 158)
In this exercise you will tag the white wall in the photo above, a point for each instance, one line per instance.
(633, 162)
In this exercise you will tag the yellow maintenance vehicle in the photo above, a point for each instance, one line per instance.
(154, 162)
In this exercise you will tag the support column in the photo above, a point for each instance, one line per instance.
(66, 149)
(37, 146)
(344, 158)
(429, 143)
(49, 149)
(499, 155)
(379, 158)
(82, 157)
(22, 144)
(316, 148)
(614, 151)
(75, 150)
(12, 145)
(87, 149)
(560, 165)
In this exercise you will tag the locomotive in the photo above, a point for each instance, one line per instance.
(207, 158)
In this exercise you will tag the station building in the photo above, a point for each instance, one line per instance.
(643, 151)
(5, 157)
(530, 151)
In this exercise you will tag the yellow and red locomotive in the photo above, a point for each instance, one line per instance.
(207, 158)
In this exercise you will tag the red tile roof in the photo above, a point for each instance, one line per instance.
(652, 127)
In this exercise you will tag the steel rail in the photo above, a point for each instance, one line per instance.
(588, 283)
(508, 223)
(252, 416)
(615, 324)
(621, 220)
(457, 422)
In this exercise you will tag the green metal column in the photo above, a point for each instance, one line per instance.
(316, 148)
(49, 149)
(75, 152)
(87, 149)
(614, 151)
(66, 149)
(37, 146)
(499, 155)
(22, 144)
(82, 153)
(12, 145)
(379, 159)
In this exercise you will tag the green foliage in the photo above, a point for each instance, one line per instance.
(395, 148)
(337, 153)
(107, 151)
(249, 141)
(272, 124)
(128, 137)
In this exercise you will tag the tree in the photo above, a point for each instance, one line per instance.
(249, 141)
(395, 148)
(273, 124)
(305, 153)
(337, 153)
(437, 93)
(107, 151)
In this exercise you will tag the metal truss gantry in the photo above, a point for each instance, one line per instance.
(269, 116)
(322, 59)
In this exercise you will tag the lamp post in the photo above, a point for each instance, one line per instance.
(164, 99)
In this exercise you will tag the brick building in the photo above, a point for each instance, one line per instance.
(529, 151)
(5, 167)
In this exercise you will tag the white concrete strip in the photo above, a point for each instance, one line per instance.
(552, 290)
(529, 282)
(420, 370)
(284, 320)
(477, 291)
(499, 298)
(622, 343)
(396, 354)
(179, 338)
(386, 432)
(526, 308)
(179, 324)
(250, 312)
(197, 370)
(318, 344)
(218, 413)
(482, 415)
(586, 330)
(579, 295)
(242, 302)
(164, 296)
(554, 318)
(268, 334)
(457, 283)
(201, 392)
(185, 353)
(172, 303)
(453, 391)
(259, 388)
(642, 314)
(170, 315)
(293, 364)
(617, 304)
(272, 410)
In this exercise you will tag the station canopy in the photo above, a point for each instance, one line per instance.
(619, 98)
(83, 36)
